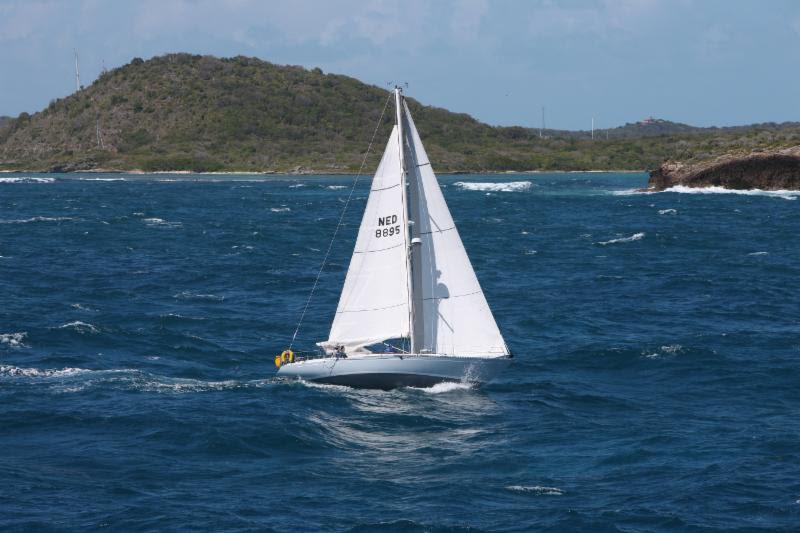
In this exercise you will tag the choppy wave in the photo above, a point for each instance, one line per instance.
(127, 378)
(634, 237)
(509, 186)
(782, 193)
(538, 490)
(14, 340)
(189, 295)
(80, 327)
(666, 350)
(630, 192)
(27, 179)
(15, 371)
(154, 221)
(34, 219)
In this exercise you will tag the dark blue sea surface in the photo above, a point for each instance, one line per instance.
(655, 386)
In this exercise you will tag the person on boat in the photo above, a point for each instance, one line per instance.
(339, 352)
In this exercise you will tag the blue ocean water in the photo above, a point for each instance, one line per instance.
(656, 381)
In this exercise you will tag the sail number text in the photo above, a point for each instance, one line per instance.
(391, 227)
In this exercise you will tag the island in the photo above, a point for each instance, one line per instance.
(768, 170)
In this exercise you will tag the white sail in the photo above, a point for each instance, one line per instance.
(374, 305)
(457, 319)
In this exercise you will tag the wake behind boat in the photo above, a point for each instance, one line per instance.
(410, 288)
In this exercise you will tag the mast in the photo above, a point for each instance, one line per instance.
(406, 222)
(411, 204)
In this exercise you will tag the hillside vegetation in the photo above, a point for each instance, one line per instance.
(188, 112)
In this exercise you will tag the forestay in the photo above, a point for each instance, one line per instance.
(457, 319)
(374, 304)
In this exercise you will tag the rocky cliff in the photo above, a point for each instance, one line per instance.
(767, 170)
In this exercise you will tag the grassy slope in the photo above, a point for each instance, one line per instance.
(184, 112)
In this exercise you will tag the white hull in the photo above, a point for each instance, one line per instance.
(392, 371)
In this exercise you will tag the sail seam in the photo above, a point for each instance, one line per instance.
(454, 296)
(437, 231)
(423, 164)
(381, 250)
(370, 310)
(385, 188)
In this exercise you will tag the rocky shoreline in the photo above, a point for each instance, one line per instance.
(767, 170)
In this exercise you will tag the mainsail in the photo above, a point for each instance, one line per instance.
(438, 304)
(374, 305)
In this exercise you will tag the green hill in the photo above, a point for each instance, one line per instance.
(188, 112)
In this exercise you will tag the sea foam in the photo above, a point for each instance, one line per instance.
(509, 186)
(537, 490)
(447, 386)
(80, 327)
(154, 221)
(634, 237)
(782, 193)
(27, 179)
(34, 219)
(14, 340)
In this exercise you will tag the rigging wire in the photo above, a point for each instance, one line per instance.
(341, 219)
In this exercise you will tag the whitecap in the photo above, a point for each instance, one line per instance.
(153, 221)
(14, 371)
(14, 340)
(667, 211)
(189, 295)
(336, 187)
(538, 490)
(634, 237)
(280, 209)
(782, 193)
(80, 327)
(758, 253)
(629, 192)
(509, 186)
(668, 349)
(531, 252)
(34, 219)
(27, 179)
(297, 185)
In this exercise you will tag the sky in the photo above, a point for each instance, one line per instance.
(702, 62)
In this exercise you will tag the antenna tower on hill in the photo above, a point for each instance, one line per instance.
(77, 73)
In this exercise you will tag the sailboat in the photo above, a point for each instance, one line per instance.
(411, 312)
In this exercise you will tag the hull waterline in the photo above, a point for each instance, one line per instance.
(394, 371)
